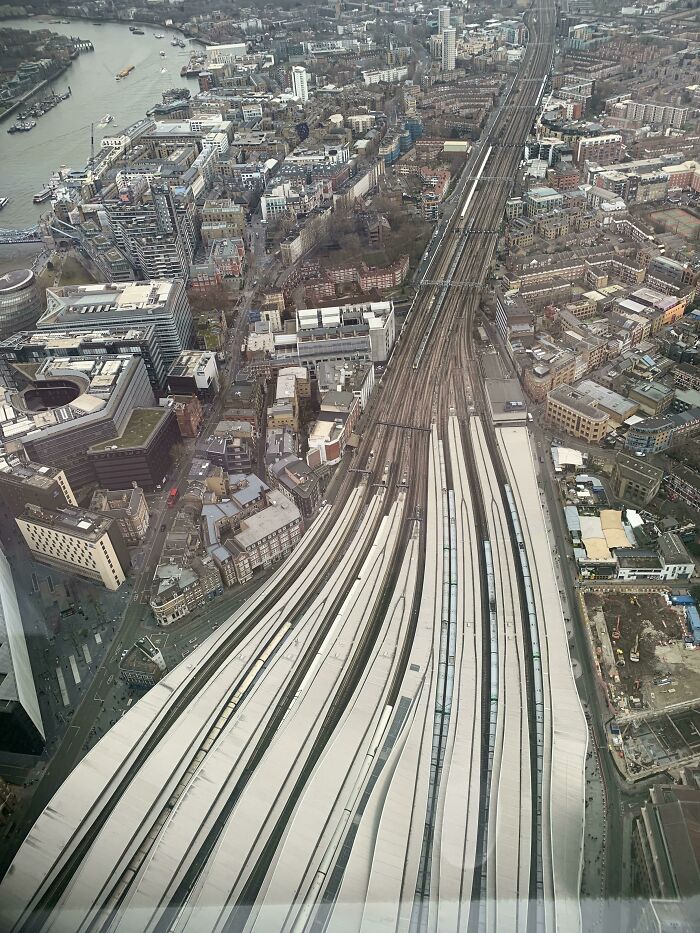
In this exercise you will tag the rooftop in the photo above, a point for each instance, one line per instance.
(672, 549)
(72, 302)
(99, 382)
(191, 363)
(79, 523)
(70, 340)
(613, 401)
(578, 401)
(267, 522)
(28, 473)
(141, 424)
(15, 280)
(634, 467)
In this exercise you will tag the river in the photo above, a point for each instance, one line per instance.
(62, 136)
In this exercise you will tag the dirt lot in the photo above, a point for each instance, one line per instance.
(666, 673)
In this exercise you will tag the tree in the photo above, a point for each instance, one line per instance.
(205, 300)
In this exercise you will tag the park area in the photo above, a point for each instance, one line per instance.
(680, 221)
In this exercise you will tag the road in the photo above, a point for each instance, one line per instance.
(98, 707)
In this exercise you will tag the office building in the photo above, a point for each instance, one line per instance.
(300, 83)
(73, 308)
(575, 413)
(234, 454)
(653, 398)
(194, 372)
(143, 665)
(20, 302)
(222, 220)
(76, 541)
(246, 402)
(449, 49)
(22, 481)
(180, 589)
(634, 480)
(141, 453)
(612, 403)
(360, 331)
(32, 346)
(296, 479)
(71, 404)
(128, 507)
(227, 53)
(354, 376)
(543, 200)
(665, 845)
(514, 319)
(21, 726)
(329, 434)
(265, 538)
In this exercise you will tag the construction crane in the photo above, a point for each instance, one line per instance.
(616, 630)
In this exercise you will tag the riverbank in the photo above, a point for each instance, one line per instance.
(34, 91)
(105, 21)
(63, 136)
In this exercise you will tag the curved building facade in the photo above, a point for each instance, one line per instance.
(19, 302)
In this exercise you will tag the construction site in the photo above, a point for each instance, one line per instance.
(649, 670)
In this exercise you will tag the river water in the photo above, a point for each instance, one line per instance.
(62, 136)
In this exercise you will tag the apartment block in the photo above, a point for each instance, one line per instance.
(683, 484)
(76, 541)
(601, 149)
(156, 230)
(656, 114)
